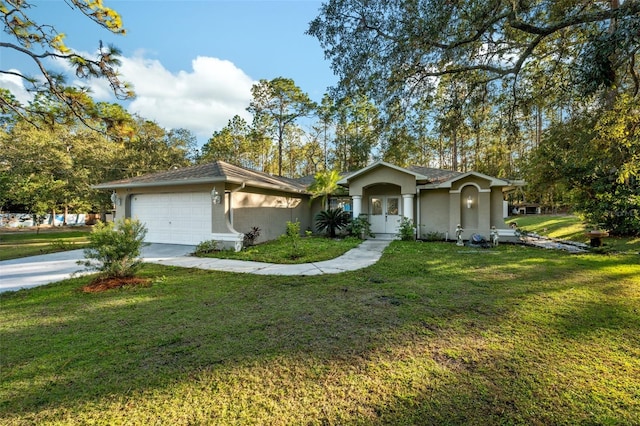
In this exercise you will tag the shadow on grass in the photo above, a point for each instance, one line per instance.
(481, 325)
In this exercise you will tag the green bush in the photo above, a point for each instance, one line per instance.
(360, 227)
(433, 236)
(114, 249)
(251, 236)
(205, 247)
(292, 236)
(406, 231)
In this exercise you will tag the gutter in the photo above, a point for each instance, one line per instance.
(233, 191)
(418, 214)
(133, 185)
(125, 185)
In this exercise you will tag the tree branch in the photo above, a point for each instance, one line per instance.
(630, 7)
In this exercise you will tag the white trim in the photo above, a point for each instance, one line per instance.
(458, 191)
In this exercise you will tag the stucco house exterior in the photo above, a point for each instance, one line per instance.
(220, 201)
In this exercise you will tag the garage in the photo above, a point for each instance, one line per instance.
(174, 218)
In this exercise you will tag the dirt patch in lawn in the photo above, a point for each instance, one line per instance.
(104, 284)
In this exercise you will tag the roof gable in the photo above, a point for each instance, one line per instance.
(345, 180)
(492, 181)
(431, 177)
(421, 174)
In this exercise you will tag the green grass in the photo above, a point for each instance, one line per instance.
(310, 249)
(568, 227)
(16, 244)
(431, 334)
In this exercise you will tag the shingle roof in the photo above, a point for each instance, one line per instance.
(218, 171)
(434, 175)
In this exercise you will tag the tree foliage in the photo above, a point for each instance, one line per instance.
(389, 48)
(276, 105)
(324, 184)
(52, 167)
(357, 130)
(42, 41)
(114, 249)
(230, 144)
(597, 157)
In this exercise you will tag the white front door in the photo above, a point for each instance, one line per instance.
(385, 214)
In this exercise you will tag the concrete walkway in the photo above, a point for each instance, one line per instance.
(33, 271)
(364, 255)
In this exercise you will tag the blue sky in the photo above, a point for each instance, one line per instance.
(192, 63)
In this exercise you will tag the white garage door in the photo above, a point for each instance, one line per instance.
(176, 218)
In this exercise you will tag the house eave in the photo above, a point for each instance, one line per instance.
(182, 182)
(155, 184)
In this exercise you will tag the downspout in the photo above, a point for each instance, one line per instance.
(241, 187)
(418, 215)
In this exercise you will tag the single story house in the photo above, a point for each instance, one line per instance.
(220, 201)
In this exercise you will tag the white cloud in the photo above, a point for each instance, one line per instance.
(15, 85)
(202, 100)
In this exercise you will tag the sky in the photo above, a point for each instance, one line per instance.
(192, 62)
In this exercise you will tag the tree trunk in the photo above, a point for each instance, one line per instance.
(454, 152)
(538, 125)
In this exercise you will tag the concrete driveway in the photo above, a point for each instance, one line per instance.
(33, 271)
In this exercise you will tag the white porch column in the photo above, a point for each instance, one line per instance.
(407, 205)
(357, 205)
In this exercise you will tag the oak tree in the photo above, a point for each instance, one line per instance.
(390, 48)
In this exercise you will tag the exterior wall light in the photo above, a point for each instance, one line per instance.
(115, 200)
(469, 202)
(215, 196)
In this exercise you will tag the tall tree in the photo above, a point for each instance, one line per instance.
(357, 131)
(326, 120)
(279, 102)
(41, 41)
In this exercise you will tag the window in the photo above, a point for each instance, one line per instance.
(341, 202)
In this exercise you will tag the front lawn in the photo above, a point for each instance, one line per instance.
(308, 249)
(431, 334)
(17, 243)
(569, 227)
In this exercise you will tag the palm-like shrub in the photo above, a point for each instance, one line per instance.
(331, 220)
